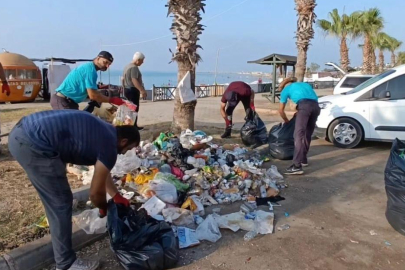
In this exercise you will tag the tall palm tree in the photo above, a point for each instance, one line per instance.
(370, 22)
(380, 42)
(305, 32)
(401, 58)
(342, 27)
(186, 27)
(393, 45)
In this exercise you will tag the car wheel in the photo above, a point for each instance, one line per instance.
(345, 133)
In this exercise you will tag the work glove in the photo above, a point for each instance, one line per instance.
(117, 101)
(5, 88)
(102, 213)
(118, 199)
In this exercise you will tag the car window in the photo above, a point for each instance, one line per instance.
(396, 86)
(352, 82)
(371, 81)
(379, 91)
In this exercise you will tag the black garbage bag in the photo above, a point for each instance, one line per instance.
(254, 131)
(281, 140)
(395, 186)
(140, 242)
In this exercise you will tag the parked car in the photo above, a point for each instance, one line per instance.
(371, 111)
(350, 81)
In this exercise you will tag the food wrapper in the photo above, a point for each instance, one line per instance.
(125, 116)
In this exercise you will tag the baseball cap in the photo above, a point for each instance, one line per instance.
(106, 55)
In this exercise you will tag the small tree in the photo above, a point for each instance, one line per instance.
(186, 27)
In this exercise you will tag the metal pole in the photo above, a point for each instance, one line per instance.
(216, 67)
(273, 83)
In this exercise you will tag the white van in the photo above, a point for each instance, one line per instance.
(371, 111)
(350, 81)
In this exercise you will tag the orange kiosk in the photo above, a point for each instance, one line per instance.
(23, 76)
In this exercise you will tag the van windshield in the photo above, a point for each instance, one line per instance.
(370, 81)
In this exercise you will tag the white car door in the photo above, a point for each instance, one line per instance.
(387, 112)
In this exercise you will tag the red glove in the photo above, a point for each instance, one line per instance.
(117, 101)
(5, 88)
(118, 199)
(102, 213)
(252, 106)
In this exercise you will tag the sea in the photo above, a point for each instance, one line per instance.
(151, 78)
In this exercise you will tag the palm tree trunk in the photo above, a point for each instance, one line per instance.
(186, 27)
(381, 61)
(392, 58)
(304, 34)
(344, 54)
(367, 59)
(373, 61)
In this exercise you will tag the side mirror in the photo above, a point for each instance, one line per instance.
(388, 94)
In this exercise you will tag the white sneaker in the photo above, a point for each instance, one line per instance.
(81, 264)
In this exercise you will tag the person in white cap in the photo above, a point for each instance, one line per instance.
(132, 82)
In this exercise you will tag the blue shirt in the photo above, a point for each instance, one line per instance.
(77, 137)
(296, 92)
(78, 81)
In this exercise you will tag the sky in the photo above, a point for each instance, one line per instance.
(241, 30)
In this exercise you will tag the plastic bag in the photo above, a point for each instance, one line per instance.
(140, 243)
(273, 173)
(264, 222)
(208, 230)
(141, 179)
(164, 190)
(168, 177)
(184, 88)
(125, 116)
(395, 186)
(126, 163)
(154, 206)
(224, 224)
(254, 131)
(90, 222)
(281, 140)
(178, 216)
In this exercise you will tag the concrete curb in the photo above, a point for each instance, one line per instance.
(39, 253)
(274, 112)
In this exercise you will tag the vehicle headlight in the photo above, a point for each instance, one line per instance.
(324, 104)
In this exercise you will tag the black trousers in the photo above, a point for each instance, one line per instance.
(308, 112)
(133, 95)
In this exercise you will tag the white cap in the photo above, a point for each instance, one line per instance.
(138, 56)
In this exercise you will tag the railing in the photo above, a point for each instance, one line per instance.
(202, 91)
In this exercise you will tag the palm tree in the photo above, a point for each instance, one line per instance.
(342, 27)
(186, 27)
(380, 42)
(393, 45)
(370, 23)
(305, 32)
(401, 58)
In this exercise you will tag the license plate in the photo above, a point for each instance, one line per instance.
(28, 89)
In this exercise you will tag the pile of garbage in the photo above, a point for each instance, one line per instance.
(174, 178)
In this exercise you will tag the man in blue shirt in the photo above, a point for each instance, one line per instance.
(308, 111)
(43, 143)
(82, 82)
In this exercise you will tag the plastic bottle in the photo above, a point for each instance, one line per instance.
(263, 192)
(250, 235)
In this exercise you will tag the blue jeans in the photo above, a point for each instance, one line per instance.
(47, 173)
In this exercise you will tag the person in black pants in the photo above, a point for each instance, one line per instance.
(307, 114)
(235, 93)
(132, 82)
